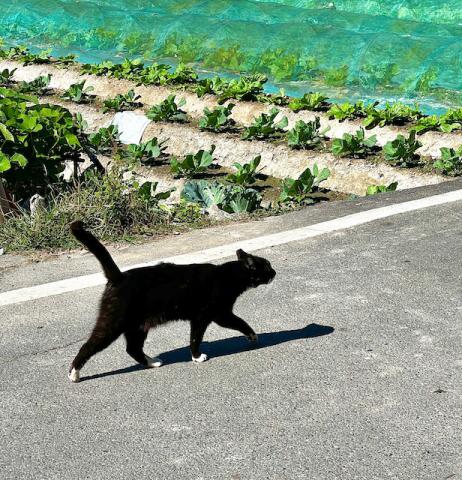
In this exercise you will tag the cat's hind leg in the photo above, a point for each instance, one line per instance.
(135, 343)
(100, 339)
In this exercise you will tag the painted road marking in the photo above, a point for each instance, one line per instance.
(86, 281)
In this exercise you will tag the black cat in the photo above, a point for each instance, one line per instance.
(137, 300)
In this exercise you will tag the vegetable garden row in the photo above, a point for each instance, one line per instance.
(39, 137)
(250, 88)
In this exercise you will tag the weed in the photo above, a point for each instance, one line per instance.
(113, 208)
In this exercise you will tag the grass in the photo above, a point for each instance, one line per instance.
(112, 210)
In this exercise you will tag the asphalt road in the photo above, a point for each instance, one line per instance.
(357, 374)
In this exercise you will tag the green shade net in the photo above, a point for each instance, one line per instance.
(387, 49)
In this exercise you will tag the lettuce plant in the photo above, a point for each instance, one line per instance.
(77, 93)
(168, 111)
(356, 145)
(450, 162)
(241, 200)
(122, 102)
(244, 88)
(264, 126)
(145, 153)
(245, 174)
(38, 58)
(402, 151)
(451, 120)
(280, 98)
(154, 74)
(306, 134)
(336, 77)
(346, 111)
(374, 189)
(6, 77)
(298, 190)
(426, 124)
(218, 119)
(192, 164)
(38, 86)
(392, 114)
(309, 101)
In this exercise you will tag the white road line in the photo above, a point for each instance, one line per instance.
(86, 281)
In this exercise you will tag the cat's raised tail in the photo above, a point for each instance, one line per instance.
(111, 270)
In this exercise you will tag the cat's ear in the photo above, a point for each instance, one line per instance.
(245, 258)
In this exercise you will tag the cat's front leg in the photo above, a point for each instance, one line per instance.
(197, 334)
(236, 323)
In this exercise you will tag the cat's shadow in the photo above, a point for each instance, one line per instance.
(229, 346)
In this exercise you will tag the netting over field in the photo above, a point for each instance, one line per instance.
(379, 48)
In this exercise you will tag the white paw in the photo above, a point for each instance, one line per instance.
(200, 359)
(74, 375)
(253, 337)
(154, 362)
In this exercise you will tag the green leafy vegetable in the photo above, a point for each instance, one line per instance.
(193, 164)
(264, 126)
(402, 151)
(230, 198)
(245, 174)
(168, 111)
(356, 145)
(306, 134)
(39, 86)
(374, 189)
(392, 114)
(298, 190)
(146, 153)
(78, 93)
(309, 101)
(218, 119)
(105, 138)
(450, 162)
(122, 102)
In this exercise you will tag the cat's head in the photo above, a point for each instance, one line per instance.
(260, 270)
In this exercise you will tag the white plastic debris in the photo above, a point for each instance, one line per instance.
(131, 126)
